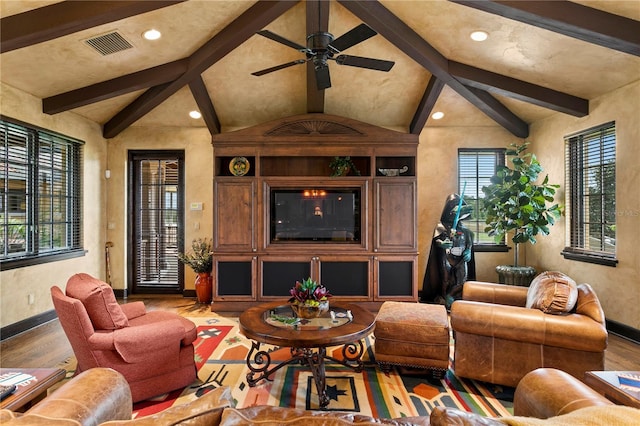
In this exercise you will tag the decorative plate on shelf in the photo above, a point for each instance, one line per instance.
(239, 166)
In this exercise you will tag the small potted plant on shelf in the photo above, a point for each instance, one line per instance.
(200, 260)
(309, 299)
(341, 166)
(516, 204)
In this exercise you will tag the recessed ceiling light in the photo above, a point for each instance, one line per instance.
(437, 115)
(152, 34)
(479, 35)
(195, 114)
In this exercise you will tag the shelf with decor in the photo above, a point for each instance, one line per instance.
(395, 166)
(238, 165)
(303, 165)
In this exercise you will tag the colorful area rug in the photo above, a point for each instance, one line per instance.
(221, 353)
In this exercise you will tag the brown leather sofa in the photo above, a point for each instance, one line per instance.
(101, 396)
(499, 340)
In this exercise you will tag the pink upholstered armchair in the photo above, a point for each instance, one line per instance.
(152, 350)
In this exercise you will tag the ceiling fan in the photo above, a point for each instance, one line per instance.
(322, 47)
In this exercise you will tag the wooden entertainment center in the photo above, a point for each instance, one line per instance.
(279, 216)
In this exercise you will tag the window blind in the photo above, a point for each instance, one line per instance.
(591, 186)
(475, 169)
(41, 177)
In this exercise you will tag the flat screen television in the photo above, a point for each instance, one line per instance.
(322, 215)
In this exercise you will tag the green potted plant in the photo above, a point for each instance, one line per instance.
(200, 260)
(341, 166)
(515, 204)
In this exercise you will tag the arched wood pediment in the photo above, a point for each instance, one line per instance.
(310, 127)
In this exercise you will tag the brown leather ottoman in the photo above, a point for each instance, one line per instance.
(414, 335)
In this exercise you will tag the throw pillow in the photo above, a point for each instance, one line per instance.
(553, 293)
(99, 301)
(204, 411)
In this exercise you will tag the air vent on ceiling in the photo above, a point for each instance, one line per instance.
(109, 43)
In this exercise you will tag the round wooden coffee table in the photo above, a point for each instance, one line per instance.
(275, 324)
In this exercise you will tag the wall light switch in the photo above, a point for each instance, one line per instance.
(196, 206)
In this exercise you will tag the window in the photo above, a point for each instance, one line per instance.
(591, 195)
(475, 169)
(40, 201)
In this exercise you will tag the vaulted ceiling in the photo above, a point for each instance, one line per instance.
(540, 57)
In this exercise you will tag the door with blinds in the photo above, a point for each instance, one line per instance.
(156, 217)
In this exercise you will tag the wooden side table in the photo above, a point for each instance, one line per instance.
(32, 390)
(607, 384)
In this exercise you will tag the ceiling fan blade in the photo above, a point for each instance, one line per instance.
(275, 37)
(351, 38)
(369, 63)
(323, 79)
(278, 67)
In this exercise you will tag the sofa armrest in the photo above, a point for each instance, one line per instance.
(518, 324)
(92, 397)
(447, 416)
(548, 392)
(501, 294)
(588, 304)
(133, 310)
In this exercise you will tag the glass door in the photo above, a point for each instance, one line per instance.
(157, 213)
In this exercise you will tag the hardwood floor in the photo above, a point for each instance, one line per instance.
(47, 346)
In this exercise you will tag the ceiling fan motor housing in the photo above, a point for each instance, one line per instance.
(318, 42)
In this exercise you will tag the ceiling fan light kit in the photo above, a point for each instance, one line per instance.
(322, 47)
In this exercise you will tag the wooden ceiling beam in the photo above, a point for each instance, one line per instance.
(115, 87)
(407, 40)
(202, 98)
(67, 17)
(518, 89)
(571, 19)
(317, 20)
(246, 25)
(428, 101)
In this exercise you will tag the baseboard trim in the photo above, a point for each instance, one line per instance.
(27, 324)
(624, 330)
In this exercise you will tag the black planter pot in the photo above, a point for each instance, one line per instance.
(515, 275)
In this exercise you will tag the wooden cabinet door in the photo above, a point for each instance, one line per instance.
(395, 214)
(234, 215)
(395, 278)
(234, 278)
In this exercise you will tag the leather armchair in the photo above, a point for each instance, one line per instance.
(499, 340)
(152, 350)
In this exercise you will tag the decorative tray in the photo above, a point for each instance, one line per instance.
(283, 317)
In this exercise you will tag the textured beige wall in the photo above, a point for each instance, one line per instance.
(196, 143)
(17, 284)
(618, 288)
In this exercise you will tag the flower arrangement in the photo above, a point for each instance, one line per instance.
(199, 259)
(309, 293)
